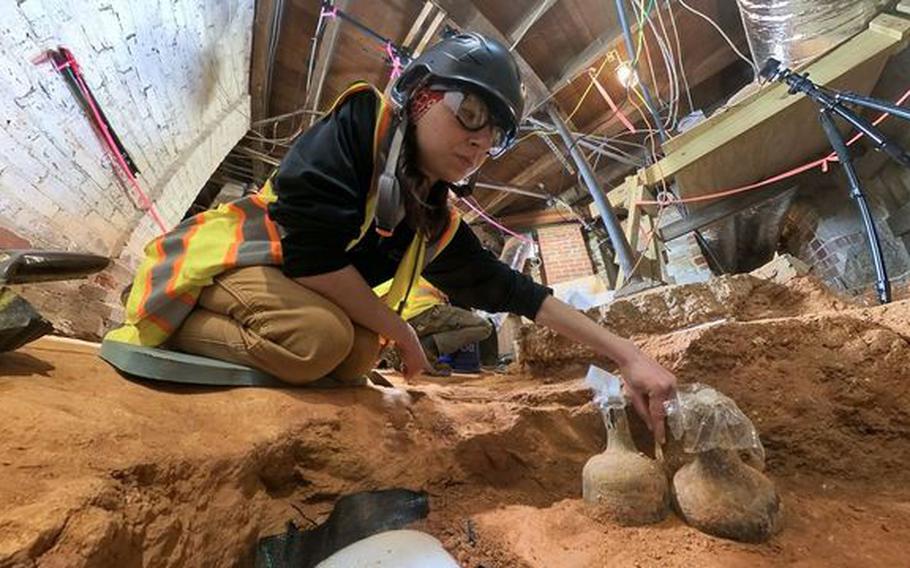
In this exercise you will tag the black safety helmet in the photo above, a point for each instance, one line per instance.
(479, 63)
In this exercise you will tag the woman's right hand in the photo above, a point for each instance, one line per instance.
(413, 359)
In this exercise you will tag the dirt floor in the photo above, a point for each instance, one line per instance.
(96, 470)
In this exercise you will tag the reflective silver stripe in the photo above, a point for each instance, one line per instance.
(256, 248)
(158, 303)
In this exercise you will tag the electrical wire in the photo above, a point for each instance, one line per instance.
(581, 100)
(587, 90)
(644, 17)
(643, 14)
(672, 77)
(489, 219)
(708, 19)
(682, 67)
(664, 44)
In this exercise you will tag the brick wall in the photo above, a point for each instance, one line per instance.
(172, 79)
(685, 262)
(824, 229)
(564, 252)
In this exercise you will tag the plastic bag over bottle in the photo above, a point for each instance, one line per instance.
(703, 419)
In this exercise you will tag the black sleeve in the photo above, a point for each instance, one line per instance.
(322, 185)
(472, 277)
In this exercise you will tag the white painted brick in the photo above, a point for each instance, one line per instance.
(149, 64)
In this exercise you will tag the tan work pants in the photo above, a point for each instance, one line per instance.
(258, 317)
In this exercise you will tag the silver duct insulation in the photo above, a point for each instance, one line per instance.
(794, 31)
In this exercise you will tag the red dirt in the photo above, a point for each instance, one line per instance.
(96, 470)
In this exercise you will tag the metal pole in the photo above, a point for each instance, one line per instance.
(614, 230)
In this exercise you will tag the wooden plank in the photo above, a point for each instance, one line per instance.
(720, 210)
(606, 42)
(525, 24)
(896, 27)
(261, 69)
(259, 62)
(654, 248)
(634, 194)
(324, 57)
(634, 191)
(527, 177)
(536, 218)
(418, 23)
(617, 198)
(770, 130)
(904, 7)
(431, 31)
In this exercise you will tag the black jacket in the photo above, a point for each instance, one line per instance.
(322, 186)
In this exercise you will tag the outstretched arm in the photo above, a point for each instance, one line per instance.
(647, 383)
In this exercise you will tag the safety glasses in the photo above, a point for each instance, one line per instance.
(474, 115)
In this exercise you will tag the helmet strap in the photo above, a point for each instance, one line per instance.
(388, 200)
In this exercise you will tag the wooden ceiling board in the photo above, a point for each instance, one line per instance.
(517, 160)
(701, 45)
(556, 39)
(356, 56)
(562, 32)
(297, 28)
(506, 15)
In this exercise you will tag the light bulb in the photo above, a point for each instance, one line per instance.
(627, 76)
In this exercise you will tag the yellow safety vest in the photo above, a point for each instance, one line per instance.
(422, 298)
(180, 263)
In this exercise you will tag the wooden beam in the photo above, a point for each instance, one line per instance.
(536, 218)
(770, 128)
(634, 191)
(260, 68)
(418, 23)
(431, 31)
(324, 60)
(522, 27)
(527, 177)
(467, 16)
(604, 44)
(610, 40)
(721, 210)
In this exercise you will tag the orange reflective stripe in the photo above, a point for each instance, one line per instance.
(274, 240)
(230, 259)
(161, 323)
(256, 200)
(354, 88)
(382, 125)
(196, 221)
(272, 231)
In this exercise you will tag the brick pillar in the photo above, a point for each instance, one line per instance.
(563, 252)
